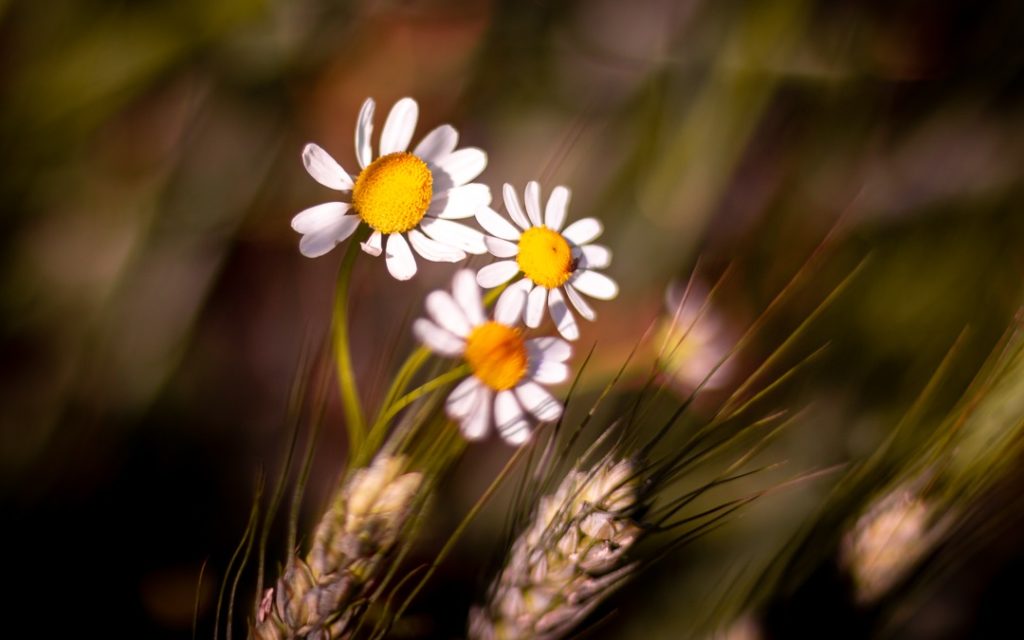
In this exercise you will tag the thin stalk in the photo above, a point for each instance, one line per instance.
(380, 427)
(343, 356)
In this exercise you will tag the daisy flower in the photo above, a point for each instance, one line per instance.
(697, 339)
(556, 264)
(507, 369)
(410, 197)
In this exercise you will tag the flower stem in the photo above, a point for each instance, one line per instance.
(343, 356)
(420, 391)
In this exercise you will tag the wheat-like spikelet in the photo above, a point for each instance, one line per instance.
(570, 557)
(888, 540)
(318, 596)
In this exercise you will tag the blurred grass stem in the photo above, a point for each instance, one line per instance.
(343, 356)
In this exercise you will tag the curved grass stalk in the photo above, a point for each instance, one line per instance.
(343, 356)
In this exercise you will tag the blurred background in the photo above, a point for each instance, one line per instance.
(155, 305)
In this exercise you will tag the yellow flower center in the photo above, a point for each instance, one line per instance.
(393, 193)
(497, 355)
(545, 257)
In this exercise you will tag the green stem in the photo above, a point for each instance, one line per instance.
(343, 356)
(393, 400)
(420, 391)
(409, 369)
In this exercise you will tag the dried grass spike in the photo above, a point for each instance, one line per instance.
(570, 557)
(319, 595)
(888, 540)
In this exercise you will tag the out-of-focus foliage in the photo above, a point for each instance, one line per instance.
(155, 304)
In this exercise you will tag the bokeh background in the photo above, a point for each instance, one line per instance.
(155, 305)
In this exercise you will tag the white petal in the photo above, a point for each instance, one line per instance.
(364, 129)
(325, 169)
(460, 202)
(463, 398)
(535, 307)
(515, 293)
(509, 308)
(319, 217)
(551, 372)
(583, 231)
(447, 313)
(433, 250)
(401, 262)
(595, 284)
(437, 339)
(438, 143)
(455, 234)
(496, 273)
(478, 422)
(501, 248)
(512, 206)
(495, 224)
(538, 401)
(558, 204)
(399, 126)
(577, 301)
(551, 348)
(509, 418)
(560, 314)
(596, 256)
(463, 165)
(466, 292)
(533, 203)
(319, 242)
(373, 245)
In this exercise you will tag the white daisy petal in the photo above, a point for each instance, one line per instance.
(535, 307)
(551, 348)
(533, 203)
(512, 206)
(501, 248)
(509, 418)
(538, 401)
(436, 339)
(455, 234)
(325, 169)
(438, 143)
(463, 165)
(447, 313)
(595, 284)
(399, 126)
(583, 231)
(432, 249)
(466, 292)
(401, 262)
(558, 204)
(515, 293)
(478, 422)
(463, 398)
(494, 223)
(577, 301)
(319, 242)
(319, 217)
(596, 256)
(509, 308)
(562, 316)
(364, 129)
(496, 273)
(373, 244)
(551, 372)
(460, 202)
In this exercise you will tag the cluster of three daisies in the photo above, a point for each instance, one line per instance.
(417, 198)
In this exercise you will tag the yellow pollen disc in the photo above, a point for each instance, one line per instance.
(545, 257)
(393, 193)
(497, 355)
